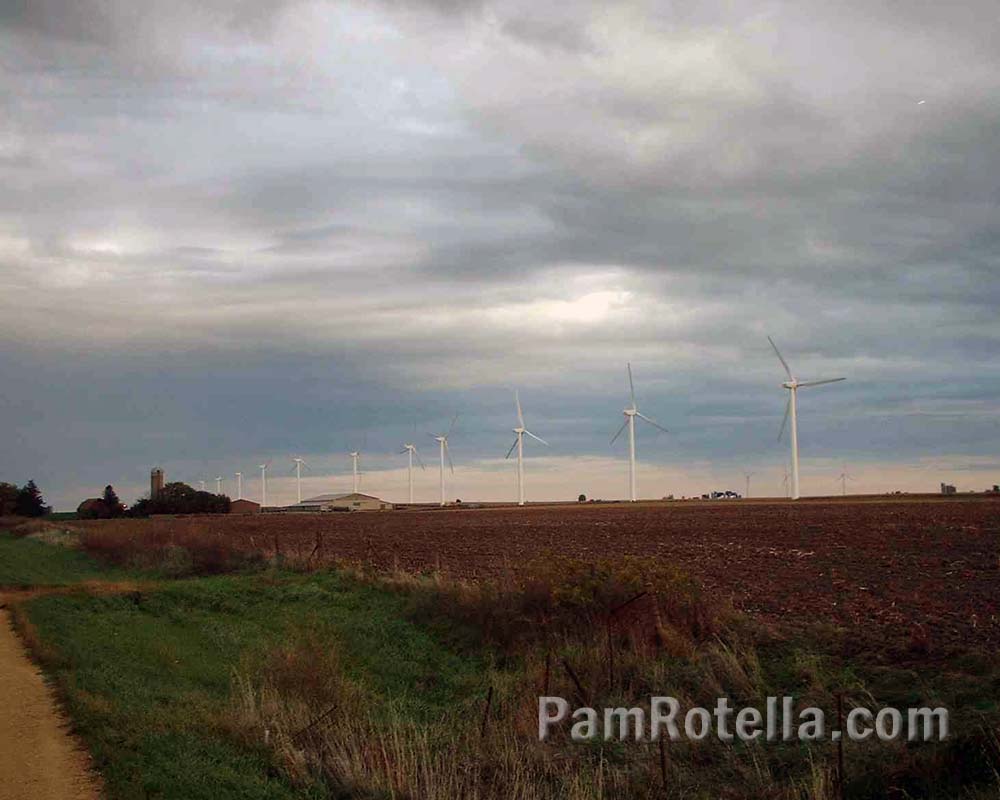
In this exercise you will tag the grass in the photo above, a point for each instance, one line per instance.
(274, 684)
(147, 677)
(25, 562)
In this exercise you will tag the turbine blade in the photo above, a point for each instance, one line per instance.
(820, 383)
(631, 386)
(419, 461)
(452, 426)
(537, 438)
(784, 422)
(624, 425)
(651, 422)
(511, 449)
(782, 360)
(520, 416)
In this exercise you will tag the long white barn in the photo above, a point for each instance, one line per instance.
(351, 501)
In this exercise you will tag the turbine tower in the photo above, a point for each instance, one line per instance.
(263, 483)
(747, 476)
(411, 451)
(218, 484)
(239, 485)
(355, 458)
(791, 408)
(630, 414)
(442, 440)
(299, 463)
(519, 432)
(201, 486)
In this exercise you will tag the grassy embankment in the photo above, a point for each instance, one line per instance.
(275, 683)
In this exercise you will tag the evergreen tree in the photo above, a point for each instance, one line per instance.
(111, 501)
(30, 502)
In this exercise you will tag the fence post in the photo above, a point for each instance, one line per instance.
(486, 713)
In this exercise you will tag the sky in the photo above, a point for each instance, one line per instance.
(234, 231)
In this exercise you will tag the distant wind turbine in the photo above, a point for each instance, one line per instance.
(442, 440)
(218, 484)
(519, 432)
(299, 463)
(239, 485)
(630, 414)
(201, 485)
(411, 451)
(793, 385)
(263, 483)
(355, 459)
(747, 476)
(844, 477)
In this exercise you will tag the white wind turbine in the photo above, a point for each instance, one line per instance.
(793, 385)
(442, 440)
(355, 460)
(218, 484)
(299, 464)
(201, 486)
(411, 451)
(747, 476)
(519, 432)
(263, 483)
(239, 485)
(630, 414)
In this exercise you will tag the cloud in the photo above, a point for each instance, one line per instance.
(419, 205)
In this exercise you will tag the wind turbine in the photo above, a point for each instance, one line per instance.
(201, 486)
(299, 463)
(519, 432)
(630, 414)
(442, 440)
(239, 485)
(218, 484)
(355, 459)
(263, 483)
(747, 476)
(411, 450)
(844, 477)
(793, 385)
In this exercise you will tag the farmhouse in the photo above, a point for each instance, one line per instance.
(352, 501)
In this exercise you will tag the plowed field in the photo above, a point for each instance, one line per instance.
(885, 568)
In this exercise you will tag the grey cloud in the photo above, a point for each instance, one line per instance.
(413, 205)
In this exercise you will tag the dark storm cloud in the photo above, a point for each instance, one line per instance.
(417, 205)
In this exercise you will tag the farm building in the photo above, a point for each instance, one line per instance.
(244, 507)
(343, 502)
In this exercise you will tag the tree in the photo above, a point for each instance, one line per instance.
(115, 508)
(582, 498)
(179, 498)
(30, 502)
(8, 499)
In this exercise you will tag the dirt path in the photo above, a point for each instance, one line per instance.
(39, 760)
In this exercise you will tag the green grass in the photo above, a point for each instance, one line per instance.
(25, 562)
(147, 678)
